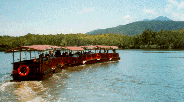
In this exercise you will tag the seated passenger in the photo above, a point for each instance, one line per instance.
(70, 54)
(47, 56)
(89, 52)
(41, 56)
(114, 51)
(51, 53)
(57, 53)
(78, 52)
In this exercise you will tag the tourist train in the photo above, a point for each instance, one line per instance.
(53, 59)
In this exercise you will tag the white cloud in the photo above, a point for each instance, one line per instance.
(181, 5)
(173, 2)
(178, 16)
(128, 19)
(127, 16)
(168, 8)
(85, 10)
(175, 9)
(150, 11)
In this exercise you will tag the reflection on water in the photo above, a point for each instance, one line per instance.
(139, 76)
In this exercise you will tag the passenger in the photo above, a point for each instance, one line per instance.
(104, 50)
(47, 56)
(50, 53)
(66, 53)
(41, 56)
(78, 53)
(114, 51)
(63, 54)
(57, 53)
(70, 54)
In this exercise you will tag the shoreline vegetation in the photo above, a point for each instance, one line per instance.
(149, 39)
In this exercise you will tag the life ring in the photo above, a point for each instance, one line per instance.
(23, 70)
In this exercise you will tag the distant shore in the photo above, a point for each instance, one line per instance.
(147, 40)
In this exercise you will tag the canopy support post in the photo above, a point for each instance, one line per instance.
(30, 54)
(35, 54)
(26, 54)
(13, 55)
(20, 54)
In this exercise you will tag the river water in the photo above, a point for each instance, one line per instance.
(140, 75)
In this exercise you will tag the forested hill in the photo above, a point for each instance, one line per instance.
(138, 27)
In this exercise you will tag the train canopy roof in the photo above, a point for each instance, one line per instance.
(89, 47)
(52, 47)
(99, 47)
(107, 47)
(33, 48)
(55, 47)
(73, 48)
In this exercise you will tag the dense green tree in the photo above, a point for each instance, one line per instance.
(149, 39)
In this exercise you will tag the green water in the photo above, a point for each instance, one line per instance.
(140, 75)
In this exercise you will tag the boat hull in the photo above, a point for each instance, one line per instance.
(103, 60)
(91, 61)
(17, 77)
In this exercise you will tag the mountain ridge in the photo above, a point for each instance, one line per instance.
(138, 27)
(160, 18)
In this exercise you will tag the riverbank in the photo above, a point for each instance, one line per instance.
(149, 39)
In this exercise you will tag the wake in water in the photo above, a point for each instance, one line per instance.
(5, 85)
(45, 90)
(32, 91)
(6, 78)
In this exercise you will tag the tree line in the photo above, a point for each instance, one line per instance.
(147, 40)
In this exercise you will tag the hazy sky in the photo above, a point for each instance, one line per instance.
(19, 17)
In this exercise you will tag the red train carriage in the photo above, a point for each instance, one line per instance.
(37, 68)
(74, 55)
(91, 57)
(104, 54)
(45, 65)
